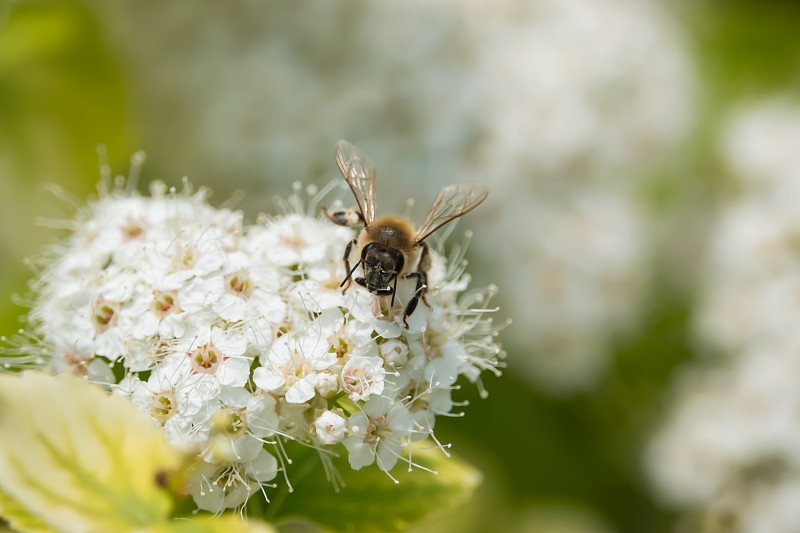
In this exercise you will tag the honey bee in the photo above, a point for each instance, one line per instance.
(389, 246)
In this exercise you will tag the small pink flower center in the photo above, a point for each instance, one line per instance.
(377, 430)
(240, 284)
(165, 303)
(133, 229)
(356, 380)
(205, 359)
(77, 363)
(103, 314)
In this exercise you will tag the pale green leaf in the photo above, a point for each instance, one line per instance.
(79, 459)
(21, 518)
(371, 501)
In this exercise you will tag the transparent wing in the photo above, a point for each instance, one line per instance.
(359, 172)
(452, 202)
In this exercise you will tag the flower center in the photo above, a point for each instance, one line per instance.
(103, 314)
(340, 347)
(356, 380)
(294, 239)
(185, 258)
(165, 303)
(433, 344)
(132, 229)
(240, 284)
(77, 363)
(163, 405)
(377, 430)
(230, 422)
(294, 371)
(205, 359)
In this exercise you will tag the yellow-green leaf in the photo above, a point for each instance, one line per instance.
(78, 459)
(221, 524)
(22, 519)
(371, 501)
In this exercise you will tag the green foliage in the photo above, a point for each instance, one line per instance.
(369, 500)
(61, 94)
(746, 48)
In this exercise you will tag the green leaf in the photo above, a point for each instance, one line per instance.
(77, 459)
(370, 500)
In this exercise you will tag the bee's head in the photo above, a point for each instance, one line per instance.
(381, 266)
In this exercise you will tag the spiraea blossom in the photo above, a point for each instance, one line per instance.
(237, 338)
(731, 443)
(578, 101)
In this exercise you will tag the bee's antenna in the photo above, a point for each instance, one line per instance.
(350, 273)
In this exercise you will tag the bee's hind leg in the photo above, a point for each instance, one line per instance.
(349, 217)
(423, 266)
(419, 292)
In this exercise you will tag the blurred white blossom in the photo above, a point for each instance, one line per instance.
(586, 99)
(731, 443)
(579, 268)
(235, 338)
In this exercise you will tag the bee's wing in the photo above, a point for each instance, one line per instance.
(452, 202)
(359, 172)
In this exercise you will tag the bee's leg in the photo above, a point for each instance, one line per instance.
(349, 217)
(419, 292)
(346, 258)
(423, 266)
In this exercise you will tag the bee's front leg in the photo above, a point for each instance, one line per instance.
(349, 279)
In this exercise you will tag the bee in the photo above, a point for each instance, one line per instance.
(389, 248)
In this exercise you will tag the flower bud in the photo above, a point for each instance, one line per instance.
(330, 427)
(394, 352)
(327, 384)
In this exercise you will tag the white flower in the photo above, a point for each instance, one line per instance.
(295, 239)
(330, 427)
(293, 362)
(218, 352)
(362, 377)
(217, 489)
(377, 433)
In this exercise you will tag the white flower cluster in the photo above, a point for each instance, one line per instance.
(731, 444)
(573, 96)
(236, 338)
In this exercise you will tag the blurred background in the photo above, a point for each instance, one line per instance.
(644, 161)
